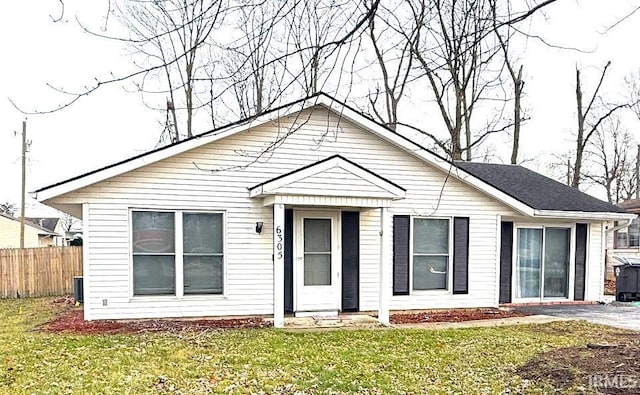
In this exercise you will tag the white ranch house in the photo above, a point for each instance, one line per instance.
(313, 208)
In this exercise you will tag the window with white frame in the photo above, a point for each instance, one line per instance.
(543, 262)
(430, 254)
(202, 246)
(628, 237)
(168, 242)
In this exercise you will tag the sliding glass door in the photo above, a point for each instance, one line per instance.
(556, 262)
(529, 263)
(543, 263)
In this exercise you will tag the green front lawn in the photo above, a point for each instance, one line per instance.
(480, 360)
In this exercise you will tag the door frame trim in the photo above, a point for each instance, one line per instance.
(336, 254)
(514, 266)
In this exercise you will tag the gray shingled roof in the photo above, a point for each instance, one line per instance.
(46, 223)
(535, 190)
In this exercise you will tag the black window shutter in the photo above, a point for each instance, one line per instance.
(288, 261)
(350, 260)
(581, 261)
(401, 227)
(461, 255)
(506, 261)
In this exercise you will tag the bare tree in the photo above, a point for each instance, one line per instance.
(633, 91)
(447, 45)
(589, 122)
(515, 73)
(8, 208)
(171, 34)
(456, 55)
(611, 153)
(310, 26)
(68, 222)
(256, 82)
(395, 59)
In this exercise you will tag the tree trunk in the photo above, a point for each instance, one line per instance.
(575, 182)
(175, 120)
(456, 146)
(517, 118)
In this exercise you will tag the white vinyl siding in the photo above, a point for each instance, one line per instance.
(334, 182)
(176, 184)
(594, 282)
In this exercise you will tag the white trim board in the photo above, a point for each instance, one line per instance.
(391, 191)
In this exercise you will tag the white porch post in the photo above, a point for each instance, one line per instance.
(278, 265)
(383, 308)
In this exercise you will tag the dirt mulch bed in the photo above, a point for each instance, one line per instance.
(72, 321)
(610, 368)
(456, 315)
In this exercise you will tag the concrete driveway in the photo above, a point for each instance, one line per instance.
(616, 314)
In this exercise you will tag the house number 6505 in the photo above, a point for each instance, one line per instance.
(279, 240)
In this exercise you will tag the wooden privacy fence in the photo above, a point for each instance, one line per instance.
(46, 271)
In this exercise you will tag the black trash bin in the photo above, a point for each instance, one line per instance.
(78, 289)
(627, 280)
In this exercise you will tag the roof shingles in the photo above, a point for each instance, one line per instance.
(535, 190)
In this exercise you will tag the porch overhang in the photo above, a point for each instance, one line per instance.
(334, 181)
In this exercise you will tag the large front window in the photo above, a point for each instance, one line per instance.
(165, 243)
(543, 262)
(430, 254)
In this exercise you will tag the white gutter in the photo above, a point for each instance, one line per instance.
(584, 215)
(625, 225)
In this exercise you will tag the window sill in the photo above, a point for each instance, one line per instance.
(430, 292)
(166, 298)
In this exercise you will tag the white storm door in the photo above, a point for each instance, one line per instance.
(317, 263)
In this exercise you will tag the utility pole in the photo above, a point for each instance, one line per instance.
(24, 178)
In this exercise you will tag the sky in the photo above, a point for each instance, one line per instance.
(113, 123)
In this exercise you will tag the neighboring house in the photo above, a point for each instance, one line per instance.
(54, 226)
(74, 237)
(313, 208)
(624, 241)
(34, 235)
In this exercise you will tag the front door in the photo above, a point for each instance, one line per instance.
(317, 263)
